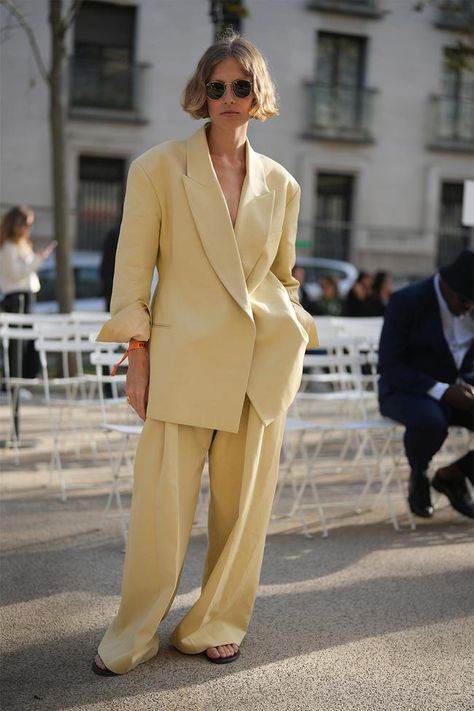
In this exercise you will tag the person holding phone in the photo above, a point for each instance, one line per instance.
(18, 262)
(215, 360)
(19, 281)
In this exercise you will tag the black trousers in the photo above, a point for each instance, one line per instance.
(427, 423)
(22, 356)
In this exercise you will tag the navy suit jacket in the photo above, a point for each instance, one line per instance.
(413, 352)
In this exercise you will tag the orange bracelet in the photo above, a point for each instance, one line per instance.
(132, 346)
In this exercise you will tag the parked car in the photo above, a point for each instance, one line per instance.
(317, 267)
(88, 283)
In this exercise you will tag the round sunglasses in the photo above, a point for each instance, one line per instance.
(241, 88)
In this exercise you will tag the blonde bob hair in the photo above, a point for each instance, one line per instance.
(253, 64)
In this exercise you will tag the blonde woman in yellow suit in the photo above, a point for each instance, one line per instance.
(223, 341)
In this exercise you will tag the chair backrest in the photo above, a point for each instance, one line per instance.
(327, 328)
(339, 377)
(342, 369)
(364, 328)
(112, 404)
(92, 317)
(31, 320)
(72, 344)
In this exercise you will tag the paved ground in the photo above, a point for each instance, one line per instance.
(367, 619)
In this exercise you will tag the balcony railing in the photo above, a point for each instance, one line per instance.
(339, 113)
(452, 123)
(106, 89)
(455, 15)
(363, 8)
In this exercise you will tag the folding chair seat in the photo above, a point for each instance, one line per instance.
(373, 451)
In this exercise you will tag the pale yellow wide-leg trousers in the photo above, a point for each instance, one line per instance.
(243, 469)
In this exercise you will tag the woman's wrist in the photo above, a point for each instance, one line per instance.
(137, 349)
(135, 345)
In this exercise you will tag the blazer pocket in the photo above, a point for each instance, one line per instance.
(162, 325)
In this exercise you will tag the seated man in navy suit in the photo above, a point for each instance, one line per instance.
(427, 376)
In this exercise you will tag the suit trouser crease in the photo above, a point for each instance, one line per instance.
(243, 470)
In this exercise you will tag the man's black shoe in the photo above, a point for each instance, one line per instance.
(419, 498)
(454, 487)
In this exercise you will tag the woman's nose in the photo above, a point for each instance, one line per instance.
(228, 95)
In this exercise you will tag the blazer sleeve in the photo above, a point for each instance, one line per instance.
(284, 262)
(393, 361)
(137, 253)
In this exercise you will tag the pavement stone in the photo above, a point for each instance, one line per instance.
(368, 619)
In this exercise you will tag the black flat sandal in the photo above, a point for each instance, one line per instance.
(223, 660)
(102, 672)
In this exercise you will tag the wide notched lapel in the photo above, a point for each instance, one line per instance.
(212, 219)
(434, 324)
(255, 213)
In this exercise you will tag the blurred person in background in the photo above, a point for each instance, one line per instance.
(306, 302)
(19, 281)
(427, 376)
(360, 300)
(107, 266)
(382, 290)
(329, 303)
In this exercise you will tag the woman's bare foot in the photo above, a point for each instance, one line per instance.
(225, 650)
(99, 662)
(98, 667)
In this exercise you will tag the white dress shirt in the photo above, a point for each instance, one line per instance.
(458, 332)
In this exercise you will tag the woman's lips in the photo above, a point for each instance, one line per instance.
(229, 113)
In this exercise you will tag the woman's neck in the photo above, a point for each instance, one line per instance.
(229, 145)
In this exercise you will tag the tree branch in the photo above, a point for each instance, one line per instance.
(30, 35)
(71, 14)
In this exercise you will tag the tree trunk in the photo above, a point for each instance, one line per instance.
(57, 122)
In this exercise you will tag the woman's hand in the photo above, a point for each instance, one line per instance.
(138, 377)
(44, 253)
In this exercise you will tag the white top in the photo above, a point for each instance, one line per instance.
(18, 265)
(458, 332)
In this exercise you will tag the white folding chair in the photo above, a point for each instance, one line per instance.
(372, 454)
(368, 329)
(19, 329)
(14, 384)
(67, 395)
(116, 418)
(294, 452)
(336, 378)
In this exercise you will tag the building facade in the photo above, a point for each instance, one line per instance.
(376, 122)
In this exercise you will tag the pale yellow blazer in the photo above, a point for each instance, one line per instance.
(225, 319)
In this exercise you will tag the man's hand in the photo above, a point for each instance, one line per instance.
(460, 396)
(138, 377)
